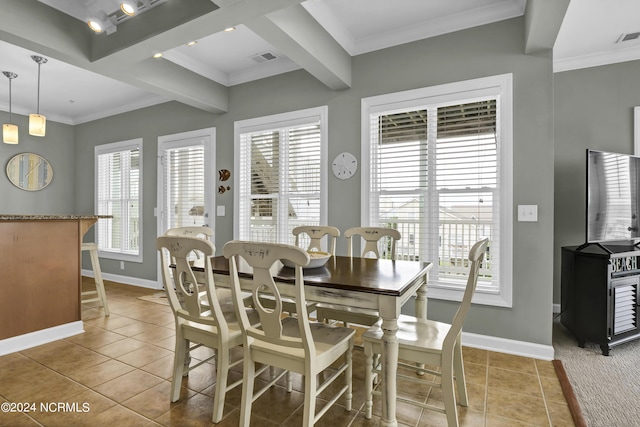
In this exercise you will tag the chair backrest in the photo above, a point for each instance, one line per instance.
(316, 233)
(261, 257)
(191, 231)
(185, 297)
(372, 236)
(476, 256)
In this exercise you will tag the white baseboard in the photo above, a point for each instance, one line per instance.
(44, 336)
(127, 280)
(503, 345)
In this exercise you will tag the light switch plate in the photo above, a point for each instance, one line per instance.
(528, 213)
(220, 210)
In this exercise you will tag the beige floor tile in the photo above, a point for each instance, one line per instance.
(512, 362)
(520, 407)
(96, 375)
(121, 347)
(144, 355)
(122, 367)
(128, 385)
(516, 382)
(155, 401)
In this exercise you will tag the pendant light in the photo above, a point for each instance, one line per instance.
(38, 122)
(9, 130)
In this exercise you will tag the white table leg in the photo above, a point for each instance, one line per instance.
(421, 301)
(389, 313)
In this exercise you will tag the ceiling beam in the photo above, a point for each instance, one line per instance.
(38, 27)
(294, 32)
(543, 19)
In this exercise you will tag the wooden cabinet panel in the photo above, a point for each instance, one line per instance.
(39, 275)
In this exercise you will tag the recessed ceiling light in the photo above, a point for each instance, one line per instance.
(192, 43)
(229, 29)
(158, 55)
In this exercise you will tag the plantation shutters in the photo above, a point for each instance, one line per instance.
(434, 176)
(280, 179)
(118, 184)
(184, 186)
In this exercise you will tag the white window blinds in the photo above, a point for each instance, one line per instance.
(434, 174)
(184, 186)
(280, 180)
(118, 183)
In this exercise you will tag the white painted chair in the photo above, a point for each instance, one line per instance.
(191, 231)
(200, 319)
(288, 343)
(99, 295)
(431, 343)
(315, 234)
(372, 236)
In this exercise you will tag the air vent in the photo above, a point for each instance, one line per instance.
(628, 37)
(264, 57)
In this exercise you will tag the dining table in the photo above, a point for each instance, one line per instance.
(359, 283)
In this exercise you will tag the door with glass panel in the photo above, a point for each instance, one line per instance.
(186, 180)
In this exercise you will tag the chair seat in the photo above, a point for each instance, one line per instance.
(328, 339)
(413, 332)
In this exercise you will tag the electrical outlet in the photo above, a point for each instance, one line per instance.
(528, 213)
(121, 265)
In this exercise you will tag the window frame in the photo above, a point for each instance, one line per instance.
(111, 148)
(500, 86)
(280, 121)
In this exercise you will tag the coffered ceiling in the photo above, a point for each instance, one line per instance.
(89, 76)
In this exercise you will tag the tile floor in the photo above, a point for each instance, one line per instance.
(118, 373)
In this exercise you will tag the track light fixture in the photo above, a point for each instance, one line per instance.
(129, 7)
(38, 122)
(107, 21)
(9, 130)
(100, 22)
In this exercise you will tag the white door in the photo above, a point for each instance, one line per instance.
(186, 179)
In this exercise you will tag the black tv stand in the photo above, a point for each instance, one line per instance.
(598, 244)
(600, 293)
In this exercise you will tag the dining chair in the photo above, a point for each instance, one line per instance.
(201, 318)
(290, 344)
(427, 342)
(372, 237)
(315, 234)
(191, 231)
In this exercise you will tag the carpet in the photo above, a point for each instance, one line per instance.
(606, 388)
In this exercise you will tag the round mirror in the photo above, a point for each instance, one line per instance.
(29, 171)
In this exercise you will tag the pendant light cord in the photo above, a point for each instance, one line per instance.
(38, 103)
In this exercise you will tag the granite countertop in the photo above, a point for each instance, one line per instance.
(5, 217)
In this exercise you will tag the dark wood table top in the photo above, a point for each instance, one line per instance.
(378, 276)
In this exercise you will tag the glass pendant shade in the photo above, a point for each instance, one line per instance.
(9, 133)
(9, 130)
(37, 124)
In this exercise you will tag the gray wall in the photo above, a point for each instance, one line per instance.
(479, 52)
(593, 109)
(148, 124)
(58, 148)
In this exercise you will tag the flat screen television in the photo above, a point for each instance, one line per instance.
(612, 197)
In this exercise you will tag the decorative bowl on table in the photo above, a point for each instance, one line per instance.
(316, 259)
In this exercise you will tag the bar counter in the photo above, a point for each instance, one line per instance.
(40, 260)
